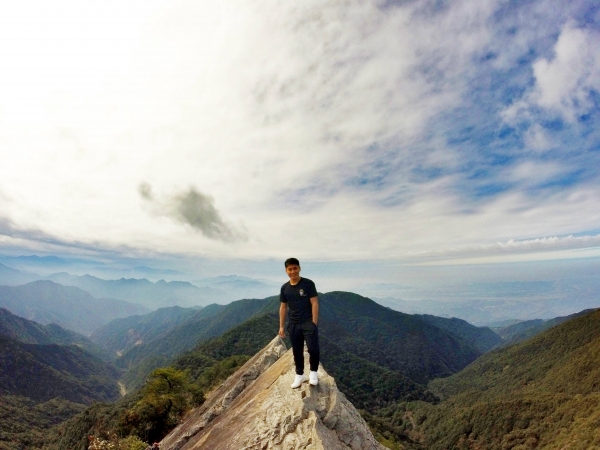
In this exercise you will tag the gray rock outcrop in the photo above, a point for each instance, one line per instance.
(255, 409)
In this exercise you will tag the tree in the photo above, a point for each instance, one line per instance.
(166, 396)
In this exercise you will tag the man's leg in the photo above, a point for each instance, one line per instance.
(295, 332)
(311, 335)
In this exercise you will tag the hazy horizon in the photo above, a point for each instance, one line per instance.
(384, 281)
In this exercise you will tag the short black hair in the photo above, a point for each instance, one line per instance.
(290, 261)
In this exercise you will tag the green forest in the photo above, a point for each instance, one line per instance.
(420, 382)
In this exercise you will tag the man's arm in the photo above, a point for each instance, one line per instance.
(314, 301)
(282, 313)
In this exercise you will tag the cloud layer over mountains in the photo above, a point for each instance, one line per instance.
(329, 130)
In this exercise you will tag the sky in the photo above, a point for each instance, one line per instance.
(361, 134)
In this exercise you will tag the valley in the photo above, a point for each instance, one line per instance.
(420, 381)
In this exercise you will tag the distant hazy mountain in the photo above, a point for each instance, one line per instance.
(133, 284)
(35, 260)
(29, 332)
(482, 338)
(237, 287)
(142, 291)
(540, 393)
(487, 312)
(161, 293)
(72, 308)
(46, 265)
(524, 330)
(14, 277)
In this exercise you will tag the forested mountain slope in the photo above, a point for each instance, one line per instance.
(43, 372)
(47, 374)
(400, 342)
(482, 338)
(521, 331)
(204, 324)
(119, 335)
(541, 393)
(29, 332)
(378, 356)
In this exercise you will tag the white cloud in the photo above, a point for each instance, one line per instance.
(538, 139)
(563, 84)
(533, 173)
(244, 100)
(516, 250)
(279, 110)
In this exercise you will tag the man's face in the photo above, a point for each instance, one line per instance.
(293, 272)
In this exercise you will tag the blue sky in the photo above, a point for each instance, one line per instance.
(411, 133)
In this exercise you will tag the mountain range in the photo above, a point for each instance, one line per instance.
(540, 393)
(152, 294)
(420, 381)
(42, 362)
(47, 302)
(29, 332)
(521, 331)
(521, 396)
(47, 375)
(404, 350)
(43, 372)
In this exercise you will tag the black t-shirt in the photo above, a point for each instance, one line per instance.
(298, 299)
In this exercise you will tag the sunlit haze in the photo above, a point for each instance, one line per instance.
(379, 141)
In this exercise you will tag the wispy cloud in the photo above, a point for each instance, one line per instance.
(565, 85)
(516, 247)
(329, 129)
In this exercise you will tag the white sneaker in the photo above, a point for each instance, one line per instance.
(298, 381)
(314, 378)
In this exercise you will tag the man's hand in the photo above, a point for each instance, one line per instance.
(314, 302)
(282, 313)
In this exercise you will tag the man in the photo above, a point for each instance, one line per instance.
(299, 295)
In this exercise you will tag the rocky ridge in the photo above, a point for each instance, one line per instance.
(255, 409)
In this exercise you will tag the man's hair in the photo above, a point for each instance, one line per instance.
(290, 261)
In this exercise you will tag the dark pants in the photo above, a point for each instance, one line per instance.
(299, 333)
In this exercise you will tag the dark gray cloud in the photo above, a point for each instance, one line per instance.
(145, 191)
(195, 209)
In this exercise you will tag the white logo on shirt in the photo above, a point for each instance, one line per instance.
(302, 294)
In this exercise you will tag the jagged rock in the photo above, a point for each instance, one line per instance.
(256, 409)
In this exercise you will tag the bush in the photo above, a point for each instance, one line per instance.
(132, 443)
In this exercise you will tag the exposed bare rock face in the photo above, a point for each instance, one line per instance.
(256, 409)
